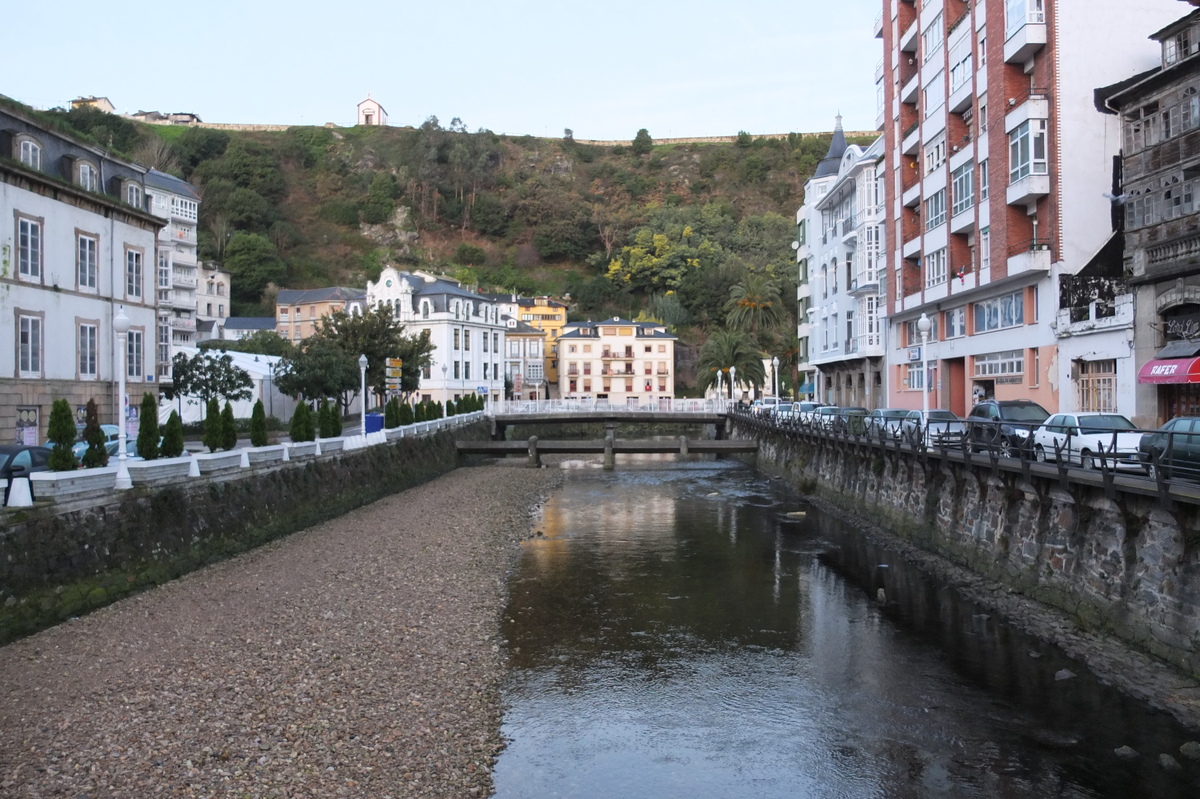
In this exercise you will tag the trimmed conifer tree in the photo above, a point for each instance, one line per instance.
(406, 414)
(228, 428)
(96, 453)
(389, 414)
(450, 408)
(419, 412)
(324, 424)
(172, 445)
(213, 435)
(335, 418)
(62, 436)
(302, 428)
(258, 425)
(147, 438)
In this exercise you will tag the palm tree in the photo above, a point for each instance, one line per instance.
(754, 303)
(726, 348)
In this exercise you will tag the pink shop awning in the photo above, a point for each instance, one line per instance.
(1170, 370)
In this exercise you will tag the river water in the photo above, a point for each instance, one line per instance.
(674, 632)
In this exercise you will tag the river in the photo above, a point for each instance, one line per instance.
(679, 630)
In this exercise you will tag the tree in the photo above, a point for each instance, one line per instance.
(406, 414)
(327, 420)
(206, 376)
(378, 335)
(319, 368)
(228, 428)
(213, 430)
(452, 407)
(172, 445)
(391, 414)
(199, 144)
(754, 304)
(260, 342)
(147, 438)
(96, 453)
(258, 425)
(642, 143)
(419, 412)
(254, 262)
(302, 428)
(62, 436)
(725, 349)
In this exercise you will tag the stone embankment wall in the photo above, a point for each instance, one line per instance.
(57, 564)
(1125, 564)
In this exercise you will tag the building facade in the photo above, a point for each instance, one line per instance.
(177, 267)
(370, 112)
(79, 243)
(626, 363)
(298, 311)
(844, 201)
(466, 329)
(212, 301)
(525, 359)
(547, 315)
(997, 170)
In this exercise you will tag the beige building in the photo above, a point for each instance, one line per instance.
(525, 359)
(543, 314)
(98, 103)
(212, 301)
(626, 363)
(297, 311)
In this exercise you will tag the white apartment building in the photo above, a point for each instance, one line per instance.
(525, 359)
(842, 270)
(212, 302)
(177, 273)
(626, 363)
(467, 331)
(996, 94)
(78, 243)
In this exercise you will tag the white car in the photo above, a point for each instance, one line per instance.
(1080, 438)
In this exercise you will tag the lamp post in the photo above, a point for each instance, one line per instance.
(362, 368)
(720, 388)
(732, 382)
(775, 373)
(923, 326)
(121, 327)
(445, 386)
(271, 391)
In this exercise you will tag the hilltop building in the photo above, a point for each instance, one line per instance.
(981, 95)
(370, 112)
(80, 246)
(626, 363)
(98, 103)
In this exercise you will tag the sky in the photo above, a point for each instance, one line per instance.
(603, 69)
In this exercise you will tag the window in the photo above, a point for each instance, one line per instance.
(29, 249)
(1000, 363)
(913, 334)
(86, 260)
(1000, 312)
(30, 154)
(914, 376)
(1019, 13)
(1027, 150)
(88, 177)
(985, 248)
(88, 347)
(29, 346)
(424, 310)
(164, 344)
(983, 119)
(457, 369)
(956, 322)
(825, 281)
(133, 195)
(935, 268)
(133, 352)
(934, 94)
(982, 50)
(133, 273)
(935, 209)
(931, 38)
(457, 339)
(466, 370)
(495, 342)
(963, 182)
(960, 69)
(983, 179)
(1098, 386)
(485, 341)
(467, 340)
(164, 270)
(935, 154)
(1180, 46)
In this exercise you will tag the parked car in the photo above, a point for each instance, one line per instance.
(852, 420)
(942, 428)
(782, 412)
(764, 405)
(806, 411)
(886, 422)
(112, 437)
(1005, 425)
(823, 417)
(1082, 437)
(18, 460)
(1177, 446)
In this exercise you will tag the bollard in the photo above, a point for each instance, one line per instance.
(683, 447)
(610, 459)
(19, 493)
(535, 460)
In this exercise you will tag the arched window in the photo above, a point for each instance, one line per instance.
(30, 153)
(825, 280)
(424, 309)
(833, 273)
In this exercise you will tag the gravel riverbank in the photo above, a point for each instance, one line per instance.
(356, 658)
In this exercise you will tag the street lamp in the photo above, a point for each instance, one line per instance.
(121, 327)
(732, 381)
(445, 387)
(362, 368)
(775, 373)
(923, 326)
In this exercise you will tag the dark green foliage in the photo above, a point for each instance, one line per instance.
(419, 412)
(62, 436)
(254, 262)
(302, 427)
(110, 131)
(207, 375)
(406, 414)
(327, 419)
(642, 143)
(439, 410)
(147, 438)
(340, 212)
(172, 444)
(229, 434)
(755, 169)
(214, 432)
(451, 407)
(196, 145)
(391, 414)
(246, 209)
(744, 139)
(488, 215)
(470, 255)
(258, 426)
(96, 453)
(260, 342)
(335, 419)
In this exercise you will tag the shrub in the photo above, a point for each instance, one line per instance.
(391, 414)
(406, 414)
(450, 407)
(229, 431)
(302, 428)
(147, 439)
(327, 420)
(62, 435)
(258, 426)
(335, 419)
(213, 434)
(419, 412)
(172, 445)
(96, 453)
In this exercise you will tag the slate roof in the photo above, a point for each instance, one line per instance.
(520, 328)
(328, 294)
(161, 180)
(250, 323)
(833, 159)
(644, 329)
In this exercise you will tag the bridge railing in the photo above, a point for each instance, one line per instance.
(534, 407)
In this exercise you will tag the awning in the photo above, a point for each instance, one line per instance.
(807, 388)
(1170, 370)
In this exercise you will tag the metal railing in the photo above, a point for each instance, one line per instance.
(581, 405)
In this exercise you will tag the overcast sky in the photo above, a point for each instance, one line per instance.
(603, 69)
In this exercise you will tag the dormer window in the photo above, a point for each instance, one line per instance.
(1179, 46)
(133, 194)
(87, 176)
(29, 153)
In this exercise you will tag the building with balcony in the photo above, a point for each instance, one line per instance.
(177, 271)
(1159, 114)
(840, 272)
(467, 331)
(542, 313)
(959, 80)
(297, 311)
(525, 359)
(78, 243)
(626, 363)
(212, 301)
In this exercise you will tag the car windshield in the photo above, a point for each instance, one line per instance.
(942, 416)
(1107, 423)
(890, 414)
(1023, 413)
(4, 456)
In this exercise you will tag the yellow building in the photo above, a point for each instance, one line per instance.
(297, 311)
(542, 313)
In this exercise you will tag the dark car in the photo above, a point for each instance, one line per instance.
(852, 421)
(1004, 425)
(18, 460)
(1177, 447)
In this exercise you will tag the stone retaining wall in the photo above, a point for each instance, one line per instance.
(1124, 564)
(57, 562)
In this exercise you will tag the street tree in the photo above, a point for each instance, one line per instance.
(754, 304)
(209, 375)
(725, 349)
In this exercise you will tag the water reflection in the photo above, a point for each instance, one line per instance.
(677, 634)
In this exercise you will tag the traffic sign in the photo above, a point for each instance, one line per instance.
(395, 363)
(394, 371)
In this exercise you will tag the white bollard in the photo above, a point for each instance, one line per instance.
(19, 494)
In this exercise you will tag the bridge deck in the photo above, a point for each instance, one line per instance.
(609, 415)
(620, 446)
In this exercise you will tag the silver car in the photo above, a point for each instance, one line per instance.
(942, 428)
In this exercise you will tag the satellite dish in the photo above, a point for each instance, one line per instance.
(795, 245)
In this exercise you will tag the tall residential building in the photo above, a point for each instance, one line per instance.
(1159, 275)
(547, 315)
(467, 331)
(841, 271)
(629, 364)
(297, 311)
(212, 301)
(525, 359)
(78, 243)
(177, 272)
(960, 79)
